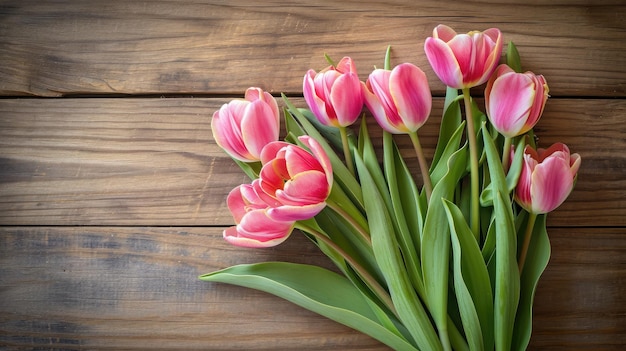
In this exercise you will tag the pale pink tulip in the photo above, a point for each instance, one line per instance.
(243, 127)
(515, 101)
(334, 94)
(254, 228)
(297, 181)
(463, 60)
(547, 178)
(399, 99)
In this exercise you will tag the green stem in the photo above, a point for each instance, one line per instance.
(471, 137)
(382, 294)
(527, 236)
(506, 153)
(346, 149)
(428, 185)
(362, 231)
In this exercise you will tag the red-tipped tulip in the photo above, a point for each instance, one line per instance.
(515, 101)
(463, 60)
(297, 181)
(547, 178)
(254, 228)
(243, 127)
(399, 99)
(334, 95)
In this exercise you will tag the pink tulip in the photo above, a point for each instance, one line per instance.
(547, 178)
(297, 181)
(463, 60)
(254, 228)
(334, 95)
(243, 127)
(515, 101)
(399, 99)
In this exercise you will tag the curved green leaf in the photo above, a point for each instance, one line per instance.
(309, 286)
(408, 306)
(536, 261)
(436, 242)
(471, 282)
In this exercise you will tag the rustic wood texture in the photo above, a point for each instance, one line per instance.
(112, 197)
(198, 47)
(136, 288)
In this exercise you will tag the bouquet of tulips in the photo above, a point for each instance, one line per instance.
(449, 262)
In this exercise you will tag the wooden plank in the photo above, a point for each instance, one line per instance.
(208, 47)
(153, 161)
(136, 288)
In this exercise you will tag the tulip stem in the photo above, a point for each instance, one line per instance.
(506, 152)
(471, 136)
(428, 185)
(527, 236)
(343, 213)
(369, 280)
(346, 149)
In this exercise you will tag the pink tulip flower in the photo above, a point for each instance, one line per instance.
(463, 60)
(547, 178)
(254, 228)
(243, 127)
(515, 101)
(297, 181)
(399, 99)
(334, 95)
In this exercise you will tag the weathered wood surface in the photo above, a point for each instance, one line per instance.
(136, 288)
(154, 161)
(111, 206)
(197, 47)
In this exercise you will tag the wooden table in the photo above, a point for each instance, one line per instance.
(112, 190)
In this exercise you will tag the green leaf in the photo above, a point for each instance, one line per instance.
(536, 261)
(404, 206)
(471, 282)
(507, 282)
(436, 242)
(513, 58)
(310, 287)
(450, 121)
(408, 306)
(512, 177)
(438, 170)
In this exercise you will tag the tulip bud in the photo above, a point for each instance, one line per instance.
(547, 178)
(243, 127)
(334, 95)
(463, 60)
(515, 101)
(399, 99)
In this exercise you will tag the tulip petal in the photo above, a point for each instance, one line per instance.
(258, 230)
(320, 155)
(551, 184)
(304, 188)
(236, 204)
(347, 99)
(443, 62)
(409, 88)
(258, 127)
(295, 213)
(510, 101)
(444, 33)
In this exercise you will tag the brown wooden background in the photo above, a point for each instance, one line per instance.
(112, 190)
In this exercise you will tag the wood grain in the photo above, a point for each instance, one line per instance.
(154, 162)
(222, 47)
(136, 288)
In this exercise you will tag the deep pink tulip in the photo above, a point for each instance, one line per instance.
(547, 178)
(297, 181)
(334, 94)
(515, 101)
(254, 228)
(399, 99)
(243, 127)
(463, 60)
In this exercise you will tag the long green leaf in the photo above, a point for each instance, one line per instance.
(310, 287)
(436, 242)
(407, 304)
(536, 261)
(471, 281)
(507, 274)
(450, 120)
